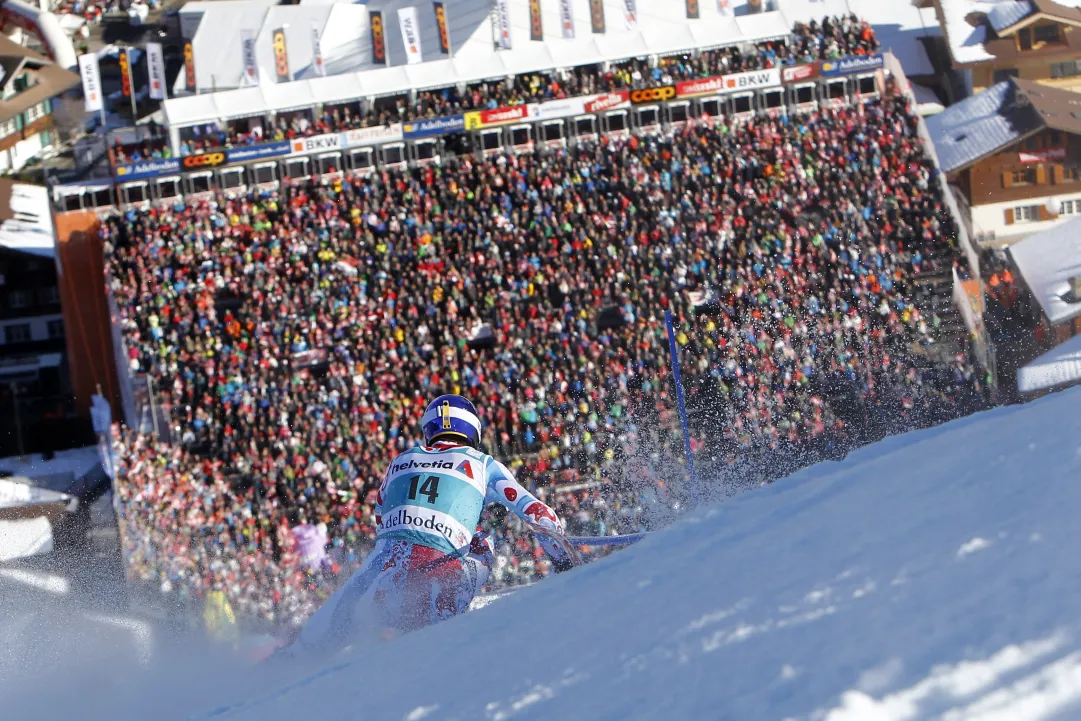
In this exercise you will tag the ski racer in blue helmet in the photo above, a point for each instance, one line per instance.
(429, 559)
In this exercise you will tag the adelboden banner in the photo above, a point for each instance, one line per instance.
(851, 64)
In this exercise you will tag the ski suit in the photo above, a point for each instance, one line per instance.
(427, 563)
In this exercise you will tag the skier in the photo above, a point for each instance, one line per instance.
(428, 563)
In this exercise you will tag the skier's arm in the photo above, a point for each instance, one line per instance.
(503, 489)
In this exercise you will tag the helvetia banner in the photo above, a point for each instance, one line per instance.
(630, 14)
(502, 11)
(91, 75)
(247, 50)
(566, 19)
(317, 52)
(407, 21)
(155, 70)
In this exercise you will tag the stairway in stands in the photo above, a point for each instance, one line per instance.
(934, 295)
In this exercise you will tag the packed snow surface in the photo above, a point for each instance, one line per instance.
(932, 575)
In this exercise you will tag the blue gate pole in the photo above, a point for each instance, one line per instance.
(674, 352)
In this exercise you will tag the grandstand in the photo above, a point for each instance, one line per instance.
(290, 304)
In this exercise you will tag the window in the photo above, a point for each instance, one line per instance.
(56, 328)
(1026, 176)
(18, 299)
(17, 333)
(1005, 73)
(1026, 214)
(35, 112)
(8, 128)
(1053, 138)
(1067, 69)
(1069, 207)
(50, 294)
(1045, 34)
(1024, 39)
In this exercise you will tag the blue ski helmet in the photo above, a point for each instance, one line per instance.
(451, 418)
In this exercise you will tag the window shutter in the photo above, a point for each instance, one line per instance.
(1041, 174)
(1009, 216)
(1007, 179)
(1057, 174)
(1045, 214)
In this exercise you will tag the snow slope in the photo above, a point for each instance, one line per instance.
(933, 575)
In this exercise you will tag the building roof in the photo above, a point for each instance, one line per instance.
(986, 123)
(51, 78)
(1057, 367)
(1047, 260)
(971, 25)
(26, 222)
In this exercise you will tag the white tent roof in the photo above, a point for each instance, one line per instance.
(1047, 261)
(1057, 367)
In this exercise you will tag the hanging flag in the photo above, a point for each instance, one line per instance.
(502, 12)
(317, 52)
(379, 41)
(596, 16)
(91, 74)
(724, 7)
(281, 55)
(441, 26)
(189, 68)
(630, 14)
(125, 73)
(251, 65)
(566, 19)
(692, 9)
(155, 70)
(536, 28)
(407, 21)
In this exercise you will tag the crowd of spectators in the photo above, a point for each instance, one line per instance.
(295, 335)
(831, 38)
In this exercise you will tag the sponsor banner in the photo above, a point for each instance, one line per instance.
(155, 70)
(203, 160)
(125, 73)
(147, 169)
(1041, 156)
(247, 51)
(596, 16)
(410, 27)
(441, 26)
(536, 27)
(428, 521)
(379, 40)
(630, 14)
(189, 68)
(752, 80)
(370, 136)
(560, 109)
(566, 19)
(317, 143)
(692, 9)
(653, 95)
(502, 13)
(433, 126)
(608, 101)
(498, 116)
(91, 75)
(851, 64)
(799, 73)
(258, 152)
(317, 53)
(281, 55)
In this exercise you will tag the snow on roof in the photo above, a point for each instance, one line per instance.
(967, 42)
(975, 127)
(1047, 260)
(76, 461)
(1057, 367)
(19, 492)
(1005, 14)
(26, 221)
(927, 102)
